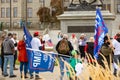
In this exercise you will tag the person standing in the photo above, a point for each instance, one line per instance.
(14, 39)
(89, 49)
(82, 43)
(74, 41)
(106, 51)
(2, 52)
(59, 36)
(64, 47)
(9, 51)
(36, 44)
(74, 61)
(22, 57)
(116, 45)
(42, 42)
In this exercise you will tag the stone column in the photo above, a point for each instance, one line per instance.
(113, 6)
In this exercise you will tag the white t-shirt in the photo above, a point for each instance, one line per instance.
(116, 45)
(35, 43)
(15, 41)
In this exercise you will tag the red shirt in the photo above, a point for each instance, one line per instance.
(22, 57)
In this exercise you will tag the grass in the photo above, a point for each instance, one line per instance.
(17, 62)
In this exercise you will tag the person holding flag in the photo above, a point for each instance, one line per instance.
(38, 61)
(36, 44)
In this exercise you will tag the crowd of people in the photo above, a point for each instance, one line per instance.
(70, 49)
(84, 48)
(13, 49)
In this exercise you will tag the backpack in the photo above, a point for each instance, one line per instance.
(63, 47)
(106, 50)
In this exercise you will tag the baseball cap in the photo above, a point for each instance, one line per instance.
(36, 33)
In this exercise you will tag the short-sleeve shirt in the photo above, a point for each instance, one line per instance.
(35, 43)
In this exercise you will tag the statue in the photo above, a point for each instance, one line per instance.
(86, 4)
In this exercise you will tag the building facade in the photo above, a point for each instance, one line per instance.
(12, 12)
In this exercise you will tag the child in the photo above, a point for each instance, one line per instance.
(74, 60)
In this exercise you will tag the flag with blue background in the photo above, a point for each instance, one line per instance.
(38, 61)
(100, 31)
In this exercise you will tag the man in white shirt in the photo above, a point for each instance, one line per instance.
(36, 44)
(116, 45)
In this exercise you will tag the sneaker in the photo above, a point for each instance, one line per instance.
(31, 77)
(26, 77)
(37, 77)
(21, 76)
(11, 76)
(5, 75)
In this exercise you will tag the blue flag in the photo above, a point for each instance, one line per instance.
(100, 32)
(27, 37)
(38, 61)
(41, 61)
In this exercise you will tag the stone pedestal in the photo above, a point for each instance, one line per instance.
(83, 22)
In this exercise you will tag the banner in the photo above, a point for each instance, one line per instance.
(38, 61)
(100, 32)
(41, 61)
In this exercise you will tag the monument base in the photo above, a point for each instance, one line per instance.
(83, 22)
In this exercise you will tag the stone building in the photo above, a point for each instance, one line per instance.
(12, 12)
(20, 9)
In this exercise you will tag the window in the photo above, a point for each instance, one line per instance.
(2, 12)
(15, 0)
(29, 1)
(118, 8)
(2, 1)
(8, 1)
(29, 12)
(7, 12)
(15, 12)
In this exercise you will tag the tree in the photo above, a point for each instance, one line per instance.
(57, 8)
(44, 16)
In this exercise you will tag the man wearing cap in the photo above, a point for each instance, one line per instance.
(36, 44)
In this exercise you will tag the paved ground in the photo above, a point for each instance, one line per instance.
(45, 76)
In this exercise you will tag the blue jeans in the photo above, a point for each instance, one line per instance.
(117, 61)
(9, 58)
(62, 65)
(25, 65)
